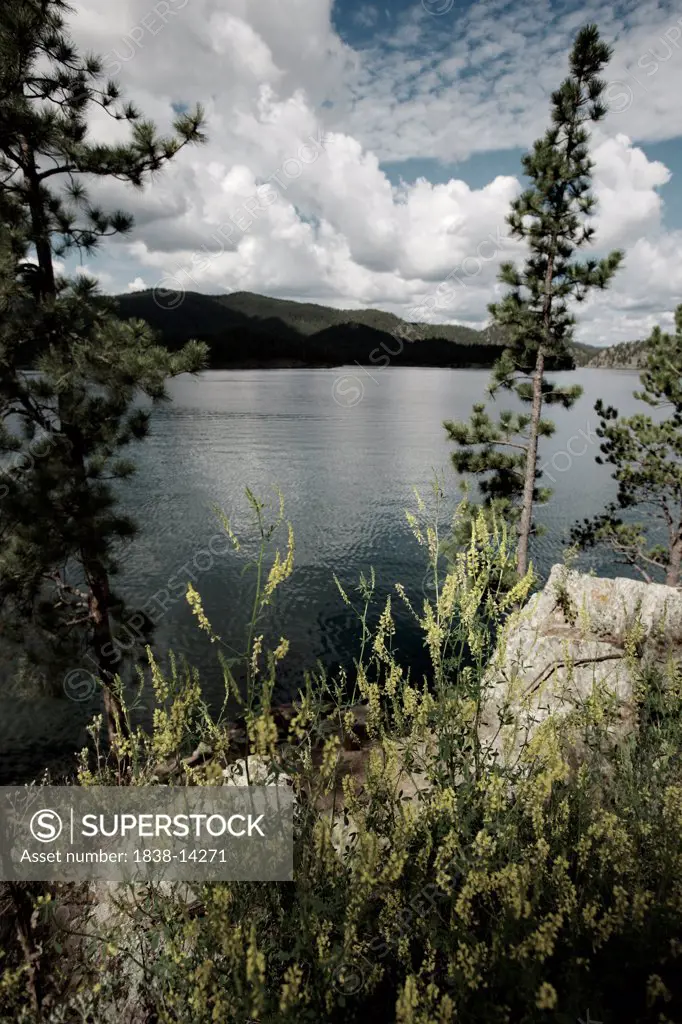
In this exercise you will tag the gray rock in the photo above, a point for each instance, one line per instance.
(578, 636)
(255, 771)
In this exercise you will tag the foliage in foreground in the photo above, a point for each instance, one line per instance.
(527, 893)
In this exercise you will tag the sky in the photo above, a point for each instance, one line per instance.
(365, 155)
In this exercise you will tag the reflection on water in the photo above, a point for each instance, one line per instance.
(346, 473)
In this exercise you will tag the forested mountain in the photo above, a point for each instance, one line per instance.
(245, 330)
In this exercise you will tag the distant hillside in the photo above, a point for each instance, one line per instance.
(248, 330)
(583, 354)
(629, 355)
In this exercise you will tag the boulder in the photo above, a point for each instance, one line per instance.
(255, 770)
(579, 636)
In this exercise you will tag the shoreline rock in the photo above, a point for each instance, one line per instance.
(576, 638)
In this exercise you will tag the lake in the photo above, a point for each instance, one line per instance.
(345, 447)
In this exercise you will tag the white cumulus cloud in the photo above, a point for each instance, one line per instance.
(289, 197)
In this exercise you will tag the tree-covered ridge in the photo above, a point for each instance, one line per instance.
(306, 317)
(243, 328)
(309, 318)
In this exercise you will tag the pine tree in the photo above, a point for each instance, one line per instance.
(59, 521)
(647, 456)
(551, 216)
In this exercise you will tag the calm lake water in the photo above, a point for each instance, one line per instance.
(345, 449)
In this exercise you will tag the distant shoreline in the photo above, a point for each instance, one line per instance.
(292, 365)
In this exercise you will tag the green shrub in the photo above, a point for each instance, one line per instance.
(529, 893)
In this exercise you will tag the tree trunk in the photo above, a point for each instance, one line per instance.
(672, 578)
(23, 909)
(96, 575)
(117, 725)
(40, 233)
(118, 730)
(526, 521)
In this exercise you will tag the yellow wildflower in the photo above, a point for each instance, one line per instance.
(546, 998)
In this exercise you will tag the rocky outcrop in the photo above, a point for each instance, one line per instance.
(628, 355)
(579, 636)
